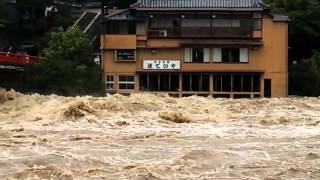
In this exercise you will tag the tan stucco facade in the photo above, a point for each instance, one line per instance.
(269, 59)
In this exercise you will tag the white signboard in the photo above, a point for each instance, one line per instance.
(161, 64)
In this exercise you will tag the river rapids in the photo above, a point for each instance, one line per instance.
(146, 136)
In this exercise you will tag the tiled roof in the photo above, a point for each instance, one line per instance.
(199, 4)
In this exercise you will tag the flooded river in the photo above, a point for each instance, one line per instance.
(147, 136)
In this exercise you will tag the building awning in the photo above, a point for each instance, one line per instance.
(215, 42)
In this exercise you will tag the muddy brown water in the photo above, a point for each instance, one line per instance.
(147, 136)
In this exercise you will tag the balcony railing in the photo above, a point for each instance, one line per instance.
(203, 28)
(200, 32)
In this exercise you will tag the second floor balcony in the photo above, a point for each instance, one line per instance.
(201, 32)
(203, 27)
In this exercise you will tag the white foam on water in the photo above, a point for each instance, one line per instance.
(147, 136)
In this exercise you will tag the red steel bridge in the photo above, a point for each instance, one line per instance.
(12, 61)
(15, 70)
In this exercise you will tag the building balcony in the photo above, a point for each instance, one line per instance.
(201, 32)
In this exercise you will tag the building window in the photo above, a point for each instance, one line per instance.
(159, 82)
(197, 55)
(195, 82)
(125, 54)
(231, 55)
(126, 82)
(257, 24)
(109, 83)
(236, 82)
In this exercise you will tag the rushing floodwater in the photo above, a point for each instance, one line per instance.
(145, 136)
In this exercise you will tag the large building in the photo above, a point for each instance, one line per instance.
(220, 48)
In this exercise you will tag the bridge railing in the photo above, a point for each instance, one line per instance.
(23, 59)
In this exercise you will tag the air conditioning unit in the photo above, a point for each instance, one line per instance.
(163, 33)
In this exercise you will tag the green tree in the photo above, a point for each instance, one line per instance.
(305, 77)
(68, 67)
(4, 16)
(304, 28)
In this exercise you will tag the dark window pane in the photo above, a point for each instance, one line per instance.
(235, 55)
(217, 82)
(122, 78)
(125, 54)
(226, 82)
(164, 82)
(195, 82)
(130, 78)
(237, 83)
(153, 82)
(197, 55)
(205, 83)
(231, 55)
(122, 86)
(247, 82)
(225, 55)
(256, 83)
(130, 86)
(143, 82)
(109, 78)
(186, 82)
(174, 84)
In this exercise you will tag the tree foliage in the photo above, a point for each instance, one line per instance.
(305, 77)
(25, 21)
(5, 17)
(68, 67)
(304, 27)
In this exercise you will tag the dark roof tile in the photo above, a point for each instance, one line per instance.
(199, 4)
